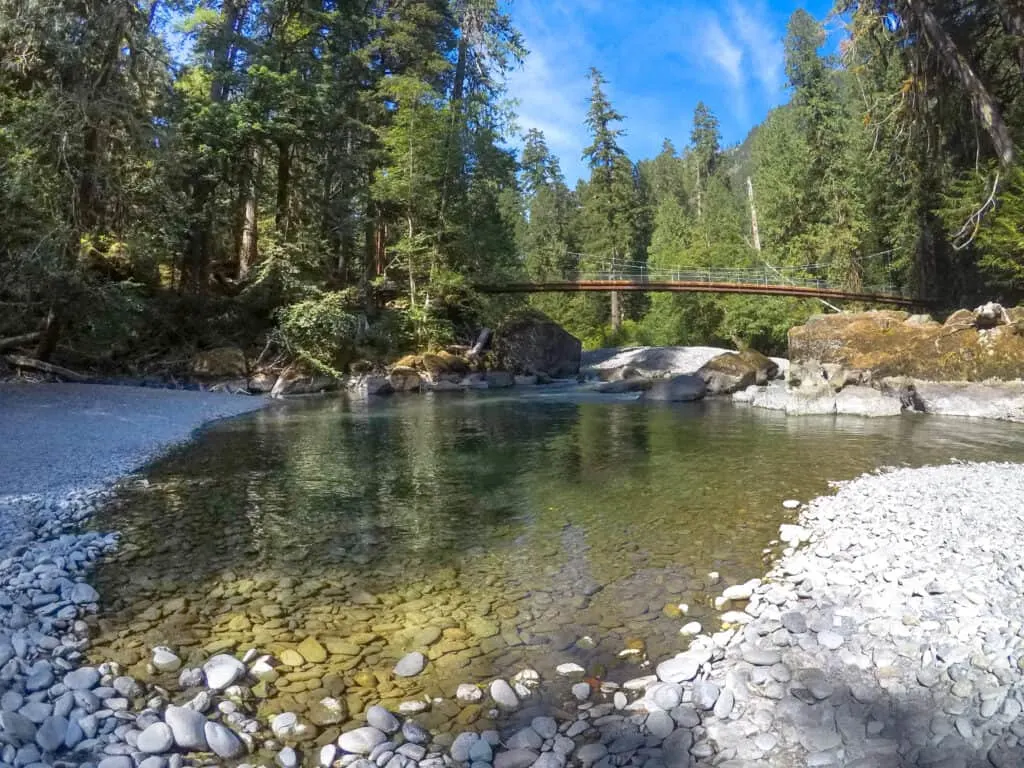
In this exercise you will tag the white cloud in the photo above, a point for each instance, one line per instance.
(717, 46)
(660, 57)
(762, 44)
(552, 89)
(740, 43)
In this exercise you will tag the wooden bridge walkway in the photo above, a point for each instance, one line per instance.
(768, 281)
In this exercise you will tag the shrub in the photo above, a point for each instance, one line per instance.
(322, 331)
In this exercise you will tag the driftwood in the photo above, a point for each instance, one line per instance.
(20, 361)
(12, 342)
(483, 341)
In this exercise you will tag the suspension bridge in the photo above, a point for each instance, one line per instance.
(765, 280)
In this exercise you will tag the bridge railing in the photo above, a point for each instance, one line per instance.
(640, 273)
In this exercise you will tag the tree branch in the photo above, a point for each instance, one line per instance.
(973, 222)
(12, 342)
(19, 361)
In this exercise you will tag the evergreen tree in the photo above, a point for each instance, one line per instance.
(705, 139)
(611, 209)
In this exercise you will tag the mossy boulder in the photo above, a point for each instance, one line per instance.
(404, 378)
(886, 343)
(434, 363)
(732, 372)
(299, 379)
(766, 368)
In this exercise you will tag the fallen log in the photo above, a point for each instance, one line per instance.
(16, 341)
(20, 361)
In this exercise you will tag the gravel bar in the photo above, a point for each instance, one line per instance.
(55, 438)
(893, 637)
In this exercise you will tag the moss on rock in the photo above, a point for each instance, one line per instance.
(884, 344)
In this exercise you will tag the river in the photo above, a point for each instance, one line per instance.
(493, 532)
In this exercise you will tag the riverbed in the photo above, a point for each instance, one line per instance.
(493, 533)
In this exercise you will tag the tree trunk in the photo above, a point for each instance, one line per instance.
(248, 253)
(20, 340)
(452, 165)
(89, 202)
(699, 211)
(985, 106)
(284, 173)
(329, 228)
(18, 361)
(50, 337)
(195, 264)
(459, 86)
(380, 238)
(412, 273)
(753, 216)
(616, 311)
(223, 51)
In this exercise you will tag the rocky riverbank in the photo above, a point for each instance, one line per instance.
(52, 712)
(884, 363)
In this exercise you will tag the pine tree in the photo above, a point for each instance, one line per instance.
(705, 139)
(611, 208)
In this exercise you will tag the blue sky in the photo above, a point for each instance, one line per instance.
(660, 58)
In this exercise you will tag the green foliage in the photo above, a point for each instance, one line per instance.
(391, 333)
(286, 152)
(322, 331)
(681, 319)
(763, 322)
(999, 236)
(321, 164)
(630, 334)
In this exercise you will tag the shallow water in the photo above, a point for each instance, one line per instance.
(491, 532)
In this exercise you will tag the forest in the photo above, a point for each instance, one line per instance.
(327, 180)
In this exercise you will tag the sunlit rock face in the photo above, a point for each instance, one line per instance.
(968, 347)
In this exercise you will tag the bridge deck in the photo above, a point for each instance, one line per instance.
(700, 286)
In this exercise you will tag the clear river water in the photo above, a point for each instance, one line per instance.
(491, 532)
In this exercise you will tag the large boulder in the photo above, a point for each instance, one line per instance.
(619, 374)
(296, 380)
(219, 363)
(441, 382)
(370, 384)
(765, 368)
(500, 380)
(652, 362)
(1003, 401)
(867, 401)
(404, 379)
(732, 372)
(678, 389)
(622, 386)
(533, 343)
(990, 315)
(880, 344)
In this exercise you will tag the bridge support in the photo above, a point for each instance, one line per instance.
(616, 311)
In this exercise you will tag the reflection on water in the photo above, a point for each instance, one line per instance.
(491, 532)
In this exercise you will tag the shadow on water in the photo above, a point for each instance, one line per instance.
(491, 532)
